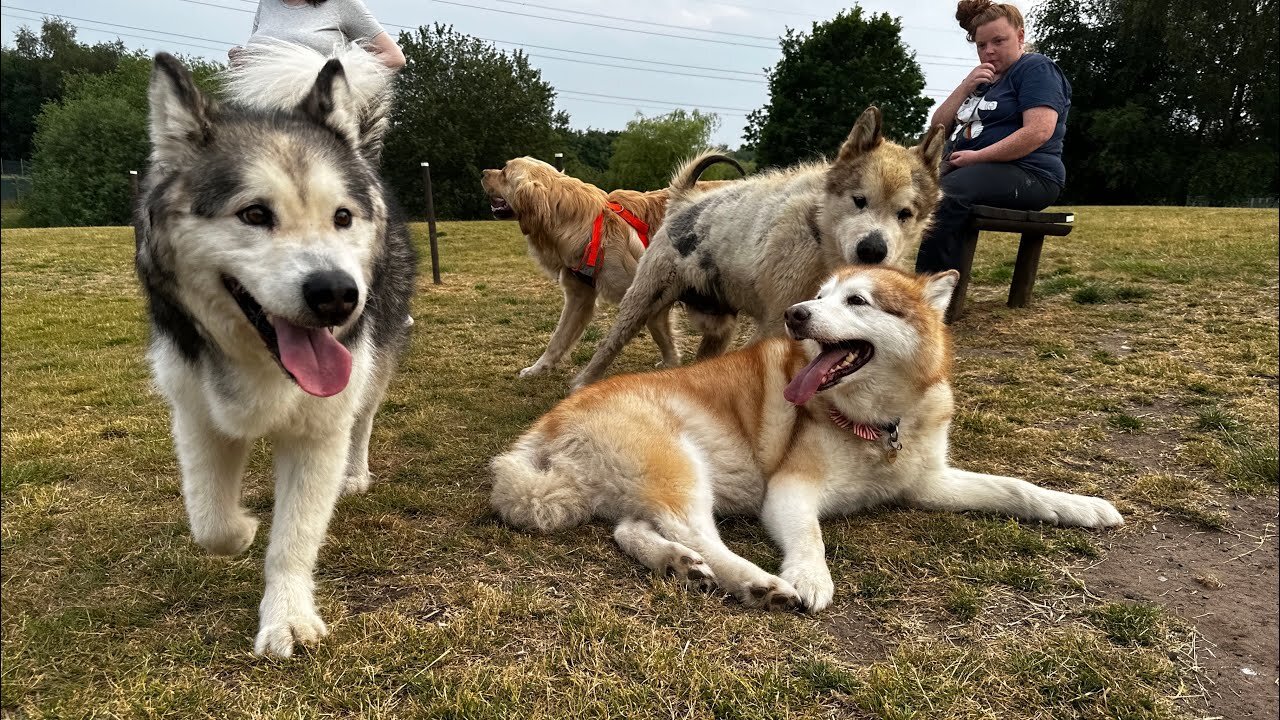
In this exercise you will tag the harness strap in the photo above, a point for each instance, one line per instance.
(586, 269)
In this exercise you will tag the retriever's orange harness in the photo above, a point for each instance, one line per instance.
(586, 270)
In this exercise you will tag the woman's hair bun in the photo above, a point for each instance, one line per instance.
(967, 10)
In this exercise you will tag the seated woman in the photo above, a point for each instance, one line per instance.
(1005, 123)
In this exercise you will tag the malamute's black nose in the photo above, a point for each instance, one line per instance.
(872, 249)
(797, 316)
(332, 295)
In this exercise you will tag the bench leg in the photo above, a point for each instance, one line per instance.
(1024, 270)
(956, 310)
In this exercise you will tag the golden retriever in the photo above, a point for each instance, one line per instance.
(557, 213)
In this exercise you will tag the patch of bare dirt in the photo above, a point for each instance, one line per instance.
(1225, 584)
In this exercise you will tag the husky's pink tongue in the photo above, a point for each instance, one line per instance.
(315, 358)
(804, 385)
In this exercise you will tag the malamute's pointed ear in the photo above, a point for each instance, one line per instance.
(865, 136)
(930, 148)
(330, 102)
(179, 112)
(938, 289)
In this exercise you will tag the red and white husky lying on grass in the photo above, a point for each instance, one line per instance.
(851, 412)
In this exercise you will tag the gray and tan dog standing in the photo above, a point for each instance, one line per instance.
(767, 242)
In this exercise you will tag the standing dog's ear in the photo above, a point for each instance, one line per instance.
(330, 102)
(938, 289)
(179, 113)
(865, 136)
(930, 148)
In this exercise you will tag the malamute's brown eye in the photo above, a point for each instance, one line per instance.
(904, 215)
(856, 300)
(860, 201)
(256, 215)
(342, 218)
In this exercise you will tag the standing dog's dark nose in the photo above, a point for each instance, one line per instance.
(872, 249)
(332, 295)
(796, 316)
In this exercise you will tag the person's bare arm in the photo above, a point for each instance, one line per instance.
(945, 115)
(1038, 124)
(387, 51)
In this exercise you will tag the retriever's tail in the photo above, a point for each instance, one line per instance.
(277, 75)
(532, 497)
(687, 176)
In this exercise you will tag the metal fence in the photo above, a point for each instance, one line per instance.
(1252, 202)
(15, 180)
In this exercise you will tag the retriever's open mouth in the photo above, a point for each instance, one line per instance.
(836, 361)
(500, 208)
(256, 315)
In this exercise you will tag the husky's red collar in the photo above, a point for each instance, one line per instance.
(586, 269)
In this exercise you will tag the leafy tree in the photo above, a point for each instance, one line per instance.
(463, 106)
(86, 143)
(827, 78)
(650, 149)
(32, 73)
(587, 153)
(1169, 99)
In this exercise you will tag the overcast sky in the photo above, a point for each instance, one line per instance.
(737, 41)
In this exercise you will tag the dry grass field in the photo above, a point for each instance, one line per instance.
(1145, 371)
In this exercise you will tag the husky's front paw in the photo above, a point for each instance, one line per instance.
(771, 594)
(277, 636)
(813, 583)
(534, 370)
(229, 535)
(1085, 511)
(357, 483)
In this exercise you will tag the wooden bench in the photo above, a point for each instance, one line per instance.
(1032, 225)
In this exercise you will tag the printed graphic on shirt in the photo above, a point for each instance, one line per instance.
(968, 122)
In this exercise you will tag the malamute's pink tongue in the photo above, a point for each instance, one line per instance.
(804, 385)
(315, 358)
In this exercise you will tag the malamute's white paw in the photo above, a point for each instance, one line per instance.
(814, 585)
(1085, 511)
(770, 593)
(277, 636)
(691, 568)
(534, 369)
(357, 483)
(230, 535)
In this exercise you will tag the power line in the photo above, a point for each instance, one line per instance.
(636, 20)
(598, 25)
(127, 27)
(652, 70)
(664, 102)
(128, 35)
(636, 105)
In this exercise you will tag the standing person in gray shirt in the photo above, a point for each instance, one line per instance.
(323, 25)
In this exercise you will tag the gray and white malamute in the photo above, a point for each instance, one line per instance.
(278, 279)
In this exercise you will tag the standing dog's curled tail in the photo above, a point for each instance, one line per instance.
(530, 497)
(687, 176)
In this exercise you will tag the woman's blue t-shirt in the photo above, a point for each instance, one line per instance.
(1033, 81)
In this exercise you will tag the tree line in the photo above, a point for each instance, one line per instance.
(1170, 100)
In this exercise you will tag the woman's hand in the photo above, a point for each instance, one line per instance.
(984, 73)
(963, 158)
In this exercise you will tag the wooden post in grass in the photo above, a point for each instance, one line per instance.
(560, 162)
(431, 224)
(134, 210)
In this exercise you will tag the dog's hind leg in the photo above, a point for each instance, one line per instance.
(308, 477)
(356, 477)
(717, 332)
(660, 328)
(640, 540)
(656, 286)
(579, 307)
(212, 467)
